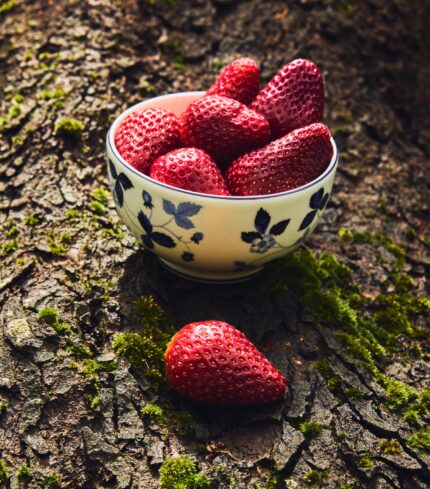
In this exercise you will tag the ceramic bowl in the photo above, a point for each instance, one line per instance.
(212, 238)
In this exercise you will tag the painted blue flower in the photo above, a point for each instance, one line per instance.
(187, 256)
(147, 199)
(317, 202)
(260, 240)
(122, 183)
(261, 245)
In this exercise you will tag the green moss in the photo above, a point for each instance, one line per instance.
(420, 440)
(399, 395)
(97, 207)
(353, 393)
(13, 231)
(154, 413)
(3, 407)
(56, 93)
(316, 476)
(147, 346)
(219, 64)
(366, 460)
(322, 366)
(52, 480)
(4, 471)
(23, 472)
(311, 429)
(95, 403)
(49, 316)
(389, 447)
(100, 194)
(9, 247)
(31, 221)
(80, 350)
(91, 366)
(69, 128)
(6, 6)
(181, 473)
(28, 55)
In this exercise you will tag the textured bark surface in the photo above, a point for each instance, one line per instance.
(90, 60)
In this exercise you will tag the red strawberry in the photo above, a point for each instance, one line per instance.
(223, 127)
(284, 164)
(293, 98)
(146, 134)
(191, 169)
(239, 80)
(212, 362)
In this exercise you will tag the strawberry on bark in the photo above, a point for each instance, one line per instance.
(146, 134)
(239, 80)
(190, 169)
(293, 98)
(211, 362)
(223, 128)
(284, 164)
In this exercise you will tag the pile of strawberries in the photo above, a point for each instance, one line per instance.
(236, 140)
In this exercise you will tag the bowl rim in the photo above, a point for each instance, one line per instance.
(112, 147)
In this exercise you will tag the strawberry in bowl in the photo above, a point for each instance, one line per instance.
(219, 183)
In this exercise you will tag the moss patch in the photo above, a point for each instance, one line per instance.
(49, 316)
(420, 440)
(69, 128)
(23, 472)
(311, 429)
(368, 328)
(316, 476)
(147, 346)
(4, 471)
(389, 447)
(181, 473)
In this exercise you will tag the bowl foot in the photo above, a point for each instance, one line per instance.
(209, 277)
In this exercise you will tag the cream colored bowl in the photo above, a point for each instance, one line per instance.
(212, 238)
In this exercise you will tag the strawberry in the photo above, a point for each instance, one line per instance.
(223, 127)
(146, 134)
(211, 362)
(284, 164)
(239, 80)
(191, 169)
(293, 98)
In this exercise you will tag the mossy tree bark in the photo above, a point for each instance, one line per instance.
(70, 410)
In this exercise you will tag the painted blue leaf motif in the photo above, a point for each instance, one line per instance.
(310, 216)
(316, 199)
(262, 221)
(187, 256)
(118, 193)
(324, 201)
(147, 199)
(188, 209)
(183, 212)
(250, 236)
(147, 241)
(163, 240)
(279, 227)
(197, 237)
(113, 171)
(144, 222)
(125, 181)
(169, 207)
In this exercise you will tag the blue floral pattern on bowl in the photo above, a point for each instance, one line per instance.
(263, 238)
